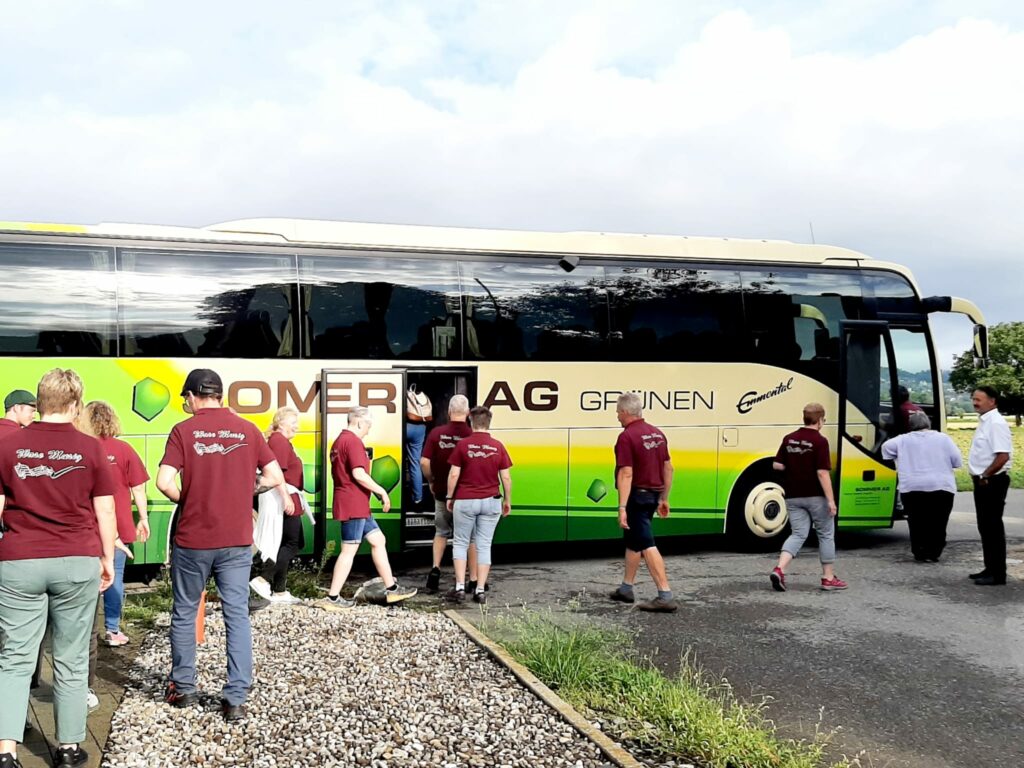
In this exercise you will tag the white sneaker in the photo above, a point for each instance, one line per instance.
(284, 598)
(92, 700)
(261, 587)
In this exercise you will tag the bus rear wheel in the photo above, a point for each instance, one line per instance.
(758, 517)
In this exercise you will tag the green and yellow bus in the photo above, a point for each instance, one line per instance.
(724, 339)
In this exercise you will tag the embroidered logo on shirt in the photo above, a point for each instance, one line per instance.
(42, 470)
(203, 449)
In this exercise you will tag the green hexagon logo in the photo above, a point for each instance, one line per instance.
(597, 491)
(149, 398)
(385, 472)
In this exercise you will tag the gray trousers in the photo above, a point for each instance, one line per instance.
(805, 512)
(65, 589)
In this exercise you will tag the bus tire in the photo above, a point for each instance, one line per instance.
(757, 510)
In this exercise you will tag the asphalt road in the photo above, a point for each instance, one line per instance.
(913, 664)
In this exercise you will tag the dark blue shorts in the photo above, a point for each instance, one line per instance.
(640, 511)
(354, 531)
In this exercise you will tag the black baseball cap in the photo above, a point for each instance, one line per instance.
(203, 382)
(19, 397)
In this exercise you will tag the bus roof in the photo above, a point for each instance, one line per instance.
(463, 240)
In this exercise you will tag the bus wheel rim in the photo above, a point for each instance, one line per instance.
(765, 510)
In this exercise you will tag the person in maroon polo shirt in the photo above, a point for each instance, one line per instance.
(20, 407)
(272, 581)
(478, 464)
(436, 451)
(804, 460)
(350, 470)
(217, 454)
(643, 477)
(56, 555)
(130, 476)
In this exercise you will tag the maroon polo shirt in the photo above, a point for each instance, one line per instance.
(50, 473)
(217, 454)
(351, 500)
(803, 453)
(127, 471)
(644, 448)
(8, 427)
(479, 458)
(291, 464)
(438, 449)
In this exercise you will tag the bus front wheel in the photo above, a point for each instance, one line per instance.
(757, 511)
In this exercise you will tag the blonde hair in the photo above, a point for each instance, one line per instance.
(59, 391)
(813, 413)
(279, 416)
(99, 419)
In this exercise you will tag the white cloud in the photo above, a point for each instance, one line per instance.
(598, 119)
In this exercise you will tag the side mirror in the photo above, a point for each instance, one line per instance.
(981, 346)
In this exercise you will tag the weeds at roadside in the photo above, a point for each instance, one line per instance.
(692, 715)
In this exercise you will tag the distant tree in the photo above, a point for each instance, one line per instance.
(1005, 374)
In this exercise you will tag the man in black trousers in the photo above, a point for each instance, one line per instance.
(989, 465)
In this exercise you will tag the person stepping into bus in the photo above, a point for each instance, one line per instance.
(217, 454)
(350, 468)
(478, 464)
(438, 449)
(804, 460)
(643, 478)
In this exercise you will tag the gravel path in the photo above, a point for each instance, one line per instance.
(369, 687)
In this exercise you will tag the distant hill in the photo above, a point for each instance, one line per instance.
(920, 386)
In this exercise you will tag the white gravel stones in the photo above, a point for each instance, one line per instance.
(371, 687)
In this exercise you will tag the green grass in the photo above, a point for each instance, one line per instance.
(690, 716)
(962, 431)
(142, 608)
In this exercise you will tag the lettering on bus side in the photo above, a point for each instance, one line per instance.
(537, 396)
(669, 400)
(258, 396)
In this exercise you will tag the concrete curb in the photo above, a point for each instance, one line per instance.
(611, 750)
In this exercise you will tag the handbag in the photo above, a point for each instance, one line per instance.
(418, 407)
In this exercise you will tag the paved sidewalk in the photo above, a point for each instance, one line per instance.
(111, 668)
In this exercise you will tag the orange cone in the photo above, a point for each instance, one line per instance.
(201, 620)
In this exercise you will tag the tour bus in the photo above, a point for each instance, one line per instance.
(725, 340)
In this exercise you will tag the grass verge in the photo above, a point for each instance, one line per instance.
(691, 716)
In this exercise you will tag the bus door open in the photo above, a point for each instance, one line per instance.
(866, 487)
(439, 385)
(383, 392)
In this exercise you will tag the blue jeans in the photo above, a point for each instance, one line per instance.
(113, 598)
(190, 570)
(415, 436)
(475, 520)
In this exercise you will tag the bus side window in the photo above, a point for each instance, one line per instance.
(371, 306)
(662, 312)
(58, 300)
(176, 304)
(535, 311)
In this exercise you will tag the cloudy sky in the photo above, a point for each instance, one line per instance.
(894, 127)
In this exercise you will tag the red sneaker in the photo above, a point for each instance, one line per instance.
(830, 585)
(778, 579)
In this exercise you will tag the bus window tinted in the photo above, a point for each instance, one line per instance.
(661, 312)
(534, 311)
(58, 301)
(177, 304)
(379, 307)
(793, 317)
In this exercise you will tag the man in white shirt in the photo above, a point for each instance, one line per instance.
(989, 465)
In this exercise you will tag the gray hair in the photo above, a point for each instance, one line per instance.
(917, 420)
(630, 402)
(458, 404)
(359, 415)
